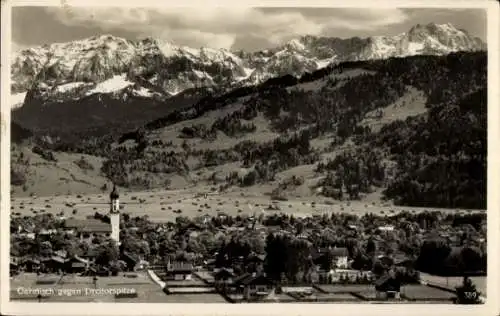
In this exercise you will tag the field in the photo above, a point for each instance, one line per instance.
(72, 288)
(194, 298)
(77, 289)
(452, 282)
(420, 292)
(326, 297)
(159, 205)
(331, 288)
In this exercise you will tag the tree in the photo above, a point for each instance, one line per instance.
(298, 254)
(471, 260)
(107, 253)
(276, 257)
(467, 293)
(327, 261)
(433, 254)
(371, 247)
(104, 187)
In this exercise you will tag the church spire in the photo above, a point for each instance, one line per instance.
(114, 195)
(114, 214)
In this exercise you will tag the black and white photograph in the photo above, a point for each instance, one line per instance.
(245, 154)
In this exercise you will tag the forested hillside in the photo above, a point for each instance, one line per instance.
(434, 157)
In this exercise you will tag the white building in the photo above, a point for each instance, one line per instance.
(114, 215)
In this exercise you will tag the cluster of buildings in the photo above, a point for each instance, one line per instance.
(250, 285)
(62, 262)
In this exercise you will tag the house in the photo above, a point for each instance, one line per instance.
(132, 263)
(87, 228)
(388, 286)
(340, 257)
(103, 271)
(14, 265)
(91, 254)
(31, 265)
(223, 278)
(205, 219)
(222, 215)
(255, 262)
(77, 264)
(130, 260)
(223, 274)
(386, 228)
(28, 235)
(209, 264)
(141, 265)
(61, 253)
(255, 286)
(304, 236)
(385, 260)
(179, 271)
(402, 260)
(47, 232)
(55, 264)
(349, 275)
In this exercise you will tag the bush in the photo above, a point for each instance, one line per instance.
(84, 164)
(44, 153)
(17, 177)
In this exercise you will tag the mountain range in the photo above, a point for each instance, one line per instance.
(106, 68)
(399, 119)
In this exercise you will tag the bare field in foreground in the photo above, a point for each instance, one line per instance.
(70, 288)
(453, 282)
(161, 205)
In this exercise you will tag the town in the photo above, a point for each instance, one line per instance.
(272, 256)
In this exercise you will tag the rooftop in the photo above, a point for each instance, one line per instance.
(253, 279)
(114, 194)
(88, 225)
(180, 267)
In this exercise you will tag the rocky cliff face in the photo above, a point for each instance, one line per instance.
(151, 68)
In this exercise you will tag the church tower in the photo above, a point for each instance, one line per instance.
(114, 214)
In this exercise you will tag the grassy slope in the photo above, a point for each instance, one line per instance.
(49, 178)
(56, 178)
(62, 177)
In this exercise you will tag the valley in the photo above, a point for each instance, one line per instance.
(162, 206)
(347, 132)
(321, 169)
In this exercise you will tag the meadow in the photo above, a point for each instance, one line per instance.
(166, 205)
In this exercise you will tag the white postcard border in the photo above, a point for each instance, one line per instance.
(491, 307)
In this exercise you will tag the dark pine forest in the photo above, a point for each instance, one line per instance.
(437, 158)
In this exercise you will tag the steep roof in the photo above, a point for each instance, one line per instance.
(257, 279)
(252, 279)
(224, 274)
(114, 194)
(91, 253)
(88, 225)
(129, 257)
(58, 259)
(340, 252)
(78, 265)
(239, 279)
(61, 253)
(387, 282)
(253, 257)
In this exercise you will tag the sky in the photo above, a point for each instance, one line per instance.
(233, 28)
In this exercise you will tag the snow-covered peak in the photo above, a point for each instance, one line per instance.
(108, 64)
(168, 49)
(422, 39)
(296, 44)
